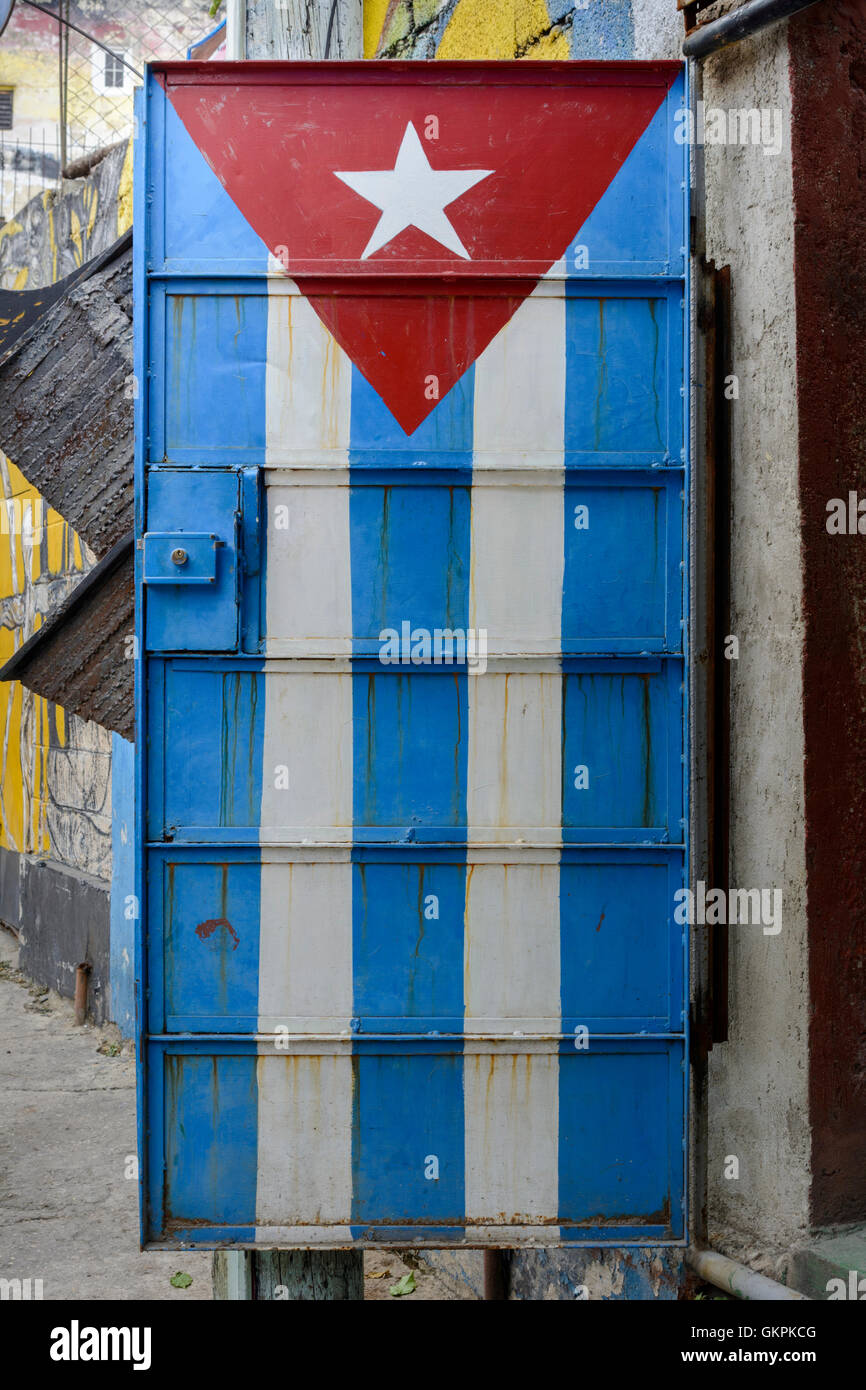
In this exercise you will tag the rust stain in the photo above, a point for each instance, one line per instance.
(502, 817)
(467, 940)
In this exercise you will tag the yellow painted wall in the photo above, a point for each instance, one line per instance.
(34, 76)
(124, 193)
(36, 547)
(477, 28)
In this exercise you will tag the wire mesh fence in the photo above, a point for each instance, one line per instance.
(67, 74)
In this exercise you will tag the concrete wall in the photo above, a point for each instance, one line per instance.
(758, 1099)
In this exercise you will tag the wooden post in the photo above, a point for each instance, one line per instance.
(304, 29)
(292, 29)
(295, 1276)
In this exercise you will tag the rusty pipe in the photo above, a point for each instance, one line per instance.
(81, 974)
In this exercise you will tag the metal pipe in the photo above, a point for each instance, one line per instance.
(737, 1279)
(739, 24)
(236, 30)
(81, 973)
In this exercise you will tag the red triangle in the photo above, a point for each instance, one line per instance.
(554, 136)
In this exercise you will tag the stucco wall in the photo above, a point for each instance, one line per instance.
(758, 1105)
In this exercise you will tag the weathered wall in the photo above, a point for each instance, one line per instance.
(758, 1101)
(44, 755)
(521, 29)
(55, 775)
(55, 770)
(828, 75)
(59, 230)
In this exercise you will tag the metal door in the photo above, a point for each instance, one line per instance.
(412, 482)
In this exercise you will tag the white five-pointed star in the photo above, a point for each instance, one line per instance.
(413, 195)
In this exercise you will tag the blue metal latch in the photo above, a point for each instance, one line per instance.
(180, 557)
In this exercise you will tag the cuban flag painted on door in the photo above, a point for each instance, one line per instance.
(412, 486)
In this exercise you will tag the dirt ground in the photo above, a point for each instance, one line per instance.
(68, 1198)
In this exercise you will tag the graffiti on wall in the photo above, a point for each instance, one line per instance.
(55, 769)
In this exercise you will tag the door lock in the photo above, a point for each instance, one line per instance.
(179, 556)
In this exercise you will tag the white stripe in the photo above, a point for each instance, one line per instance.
(517, 559)
(512, 1137)
(514, 797)
(307, 742)
(517, 553)
(514, 788)
(304, 1172)
(511, 948)
(520, 387)
(308, 381)
(305, 948)
(309, 593)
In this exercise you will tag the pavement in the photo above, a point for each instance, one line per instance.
(68, 1194)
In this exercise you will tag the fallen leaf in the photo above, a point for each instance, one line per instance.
(180, 1280)
(378, 1274)
(403, 1286)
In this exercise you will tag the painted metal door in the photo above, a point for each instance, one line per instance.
(412, 481)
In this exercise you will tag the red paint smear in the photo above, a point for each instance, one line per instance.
(206, 929)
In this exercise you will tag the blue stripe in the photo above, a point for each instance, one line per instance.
(617, 376)
(621, 955)
(622, 589)
(410, 544)
(195, 223)
(444, 438)
(211, 1109)
(620, 1108)
(204, 929)
(211, 716)
(407, 915)
(211, 405)
(408, 1124)
(620, 948)
(410, 557)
